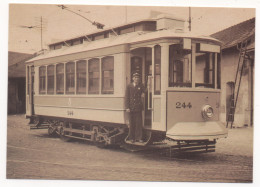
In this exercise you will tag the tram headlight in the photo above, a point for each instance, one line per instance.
(207, 112)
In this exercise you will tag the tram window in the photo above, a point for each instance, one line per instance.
(180, 66)
(108, 75)
(42, 79)
(93, 76)
(70, 78)
(76, 42)
(149, 26)
(127, 30)
(157, 69)
(60, 79)
(58, 46)
(50, 79)
(98, 37)
(205, 69)
(81, 77)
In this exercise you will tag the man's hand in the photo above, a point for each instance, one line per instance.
(127, 110)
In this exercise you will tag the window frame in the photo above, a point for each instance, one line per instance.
(91, 84)
(42, 76)
(210, 58)
(70, 82)
(60, 92)
(78, 73)
(111, 90)
(157, 61)
(172, 62)
(48, 81)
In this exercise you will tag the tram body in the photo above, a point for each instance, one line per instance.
(80, 89)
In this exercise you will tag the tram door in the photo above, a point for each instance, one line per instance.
(143, 66)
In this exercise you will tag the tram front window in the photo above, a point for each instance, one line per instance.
(205, 70)
(180, 66)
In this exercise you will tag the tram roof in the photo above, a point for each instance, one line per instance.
(129, 38)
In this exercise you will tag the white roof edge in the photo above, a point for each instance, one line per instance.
(119, 40)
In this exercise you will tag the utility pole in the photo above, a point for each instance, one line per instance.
(39, 25)
(189, 18)
(41, 34)
(126, 14)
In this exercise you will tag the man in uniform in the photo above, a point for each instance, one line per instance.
(134, 93)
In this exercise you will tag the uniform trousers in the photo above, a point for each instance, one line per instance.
(136, 128)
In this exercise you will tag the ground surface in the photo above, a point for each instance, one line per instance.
(32, 154)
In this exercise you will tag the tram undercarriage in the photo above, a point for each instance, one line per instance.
(104, 135)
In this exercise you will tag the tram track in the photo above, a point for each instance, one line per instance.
(194, 162)
(35, 156)
(177, 175)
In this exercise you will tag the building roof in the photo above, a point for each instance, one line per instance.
(16, 64)
(235, 34)
(15, 57)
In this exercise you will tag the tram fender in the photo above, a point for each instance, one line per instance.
(208, 130)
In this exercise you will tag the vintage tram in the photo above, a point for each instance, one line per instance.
(78, 85)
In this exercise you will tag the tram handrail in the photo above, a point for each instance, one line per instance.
(149, 89)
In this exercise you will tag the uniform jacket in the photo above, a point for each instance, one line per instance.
(133, 97)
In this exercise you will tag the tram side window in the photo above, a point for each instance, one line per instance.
(42, 79)
(108, 75)
(180, 66)
(60, 79)
(70, 78)
(50, 79)
(81, 76)
(157, 69)
(205, 69)
(93, 76)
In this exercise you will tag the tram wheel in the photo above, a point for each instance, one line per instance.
(51, 130)
(63, 137)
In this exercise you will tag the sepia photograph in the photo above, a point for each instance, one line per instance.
(114, 92)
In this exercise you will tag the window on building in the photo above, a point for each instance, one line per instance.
(50, 79)
(70, 78)
(157, 69)
(108, 75)
(205, 69)
(93, 76)
(81, 76)
(180, 66)
(42, 79)
(60, 79)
